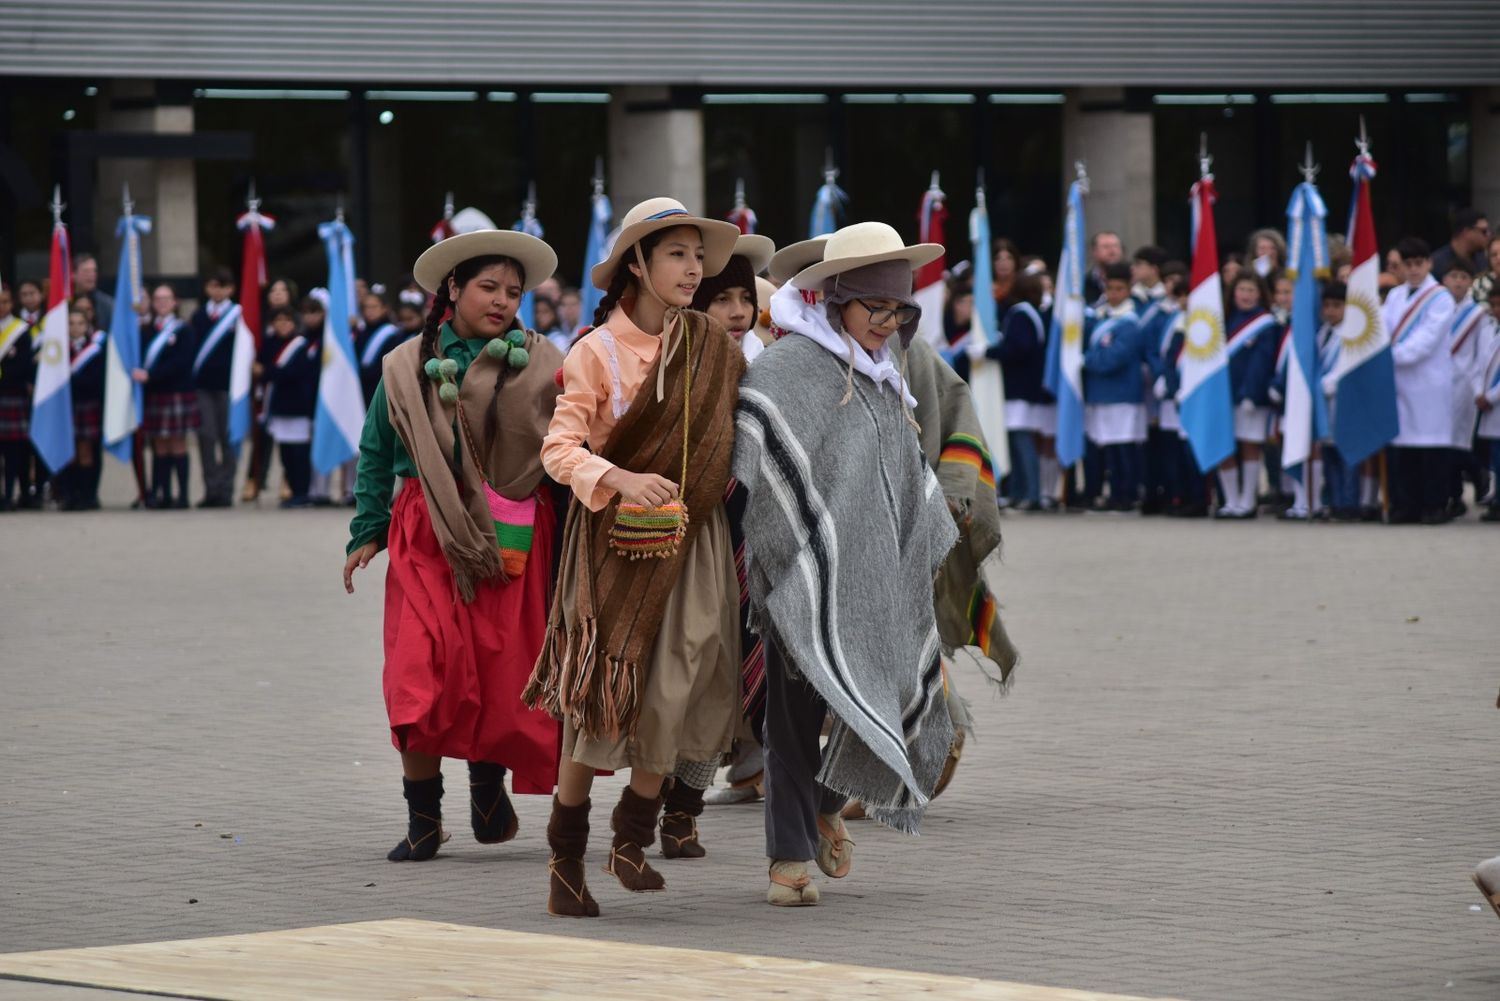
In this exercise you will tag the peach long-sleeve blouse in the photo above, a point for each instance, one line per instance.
(601, 375)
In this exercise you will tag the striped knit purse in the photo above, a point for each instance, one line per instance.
(515, 520)
(644, 531)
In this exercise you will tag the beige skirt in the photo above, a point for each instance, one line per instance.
(691, 702)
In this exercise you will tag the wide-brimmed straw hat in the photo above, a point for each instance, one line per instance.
(536, 258)
(757, 249)
(861, 244)
(665, 213)
(789, 260)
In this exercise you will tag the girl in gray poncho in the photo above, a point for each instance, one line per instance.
(845, 527)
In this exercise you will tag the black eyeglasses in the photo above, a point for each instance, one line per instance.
(880, 317)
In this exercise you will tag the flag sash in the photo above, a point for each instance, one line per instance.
(90, 351)
(221, 328)
(377, 340)
(13, 330)
(159, 343)
(1415, 310)
(1101, 329)
(286, 354)
(1242, 336)
(1463, 327)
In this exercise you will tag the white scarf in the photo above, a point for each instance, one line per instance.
(796, 315)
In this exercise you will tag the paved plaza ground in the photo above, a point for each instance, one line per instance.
(1242, 761)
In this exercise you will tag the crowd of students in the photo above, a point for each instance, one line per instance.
(1441, 306)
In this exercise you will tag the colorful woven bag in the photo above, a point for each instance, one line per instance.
(644, 531)
(515, 520)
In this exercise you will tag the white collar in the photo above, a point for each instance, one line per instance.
(1124, 309)
(796, 315)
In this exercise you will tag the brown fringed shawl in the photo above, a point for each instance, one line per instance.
(608, 608)
(455, 498)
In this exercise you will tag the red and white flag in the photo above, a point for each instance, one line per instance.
(927, 285)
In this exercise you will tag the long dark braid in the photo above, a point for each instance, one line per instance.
(440, 306)
(618, 285)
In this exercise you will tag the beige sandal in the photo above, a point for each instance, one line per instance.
(834, 844)
(1491, 896)
(791, 886)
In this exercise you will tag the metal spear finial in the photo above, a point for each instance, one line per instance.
(830, 172)
(338, 211)
(979, 190)
(252, 200)
(1308, 168)
(57, 205)
(739, 192)
(1363, 142)
(447, 206)
(127, 204)
(598, 179)
(1205, 162)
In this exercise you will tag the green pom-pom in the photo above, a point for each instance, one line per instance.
(519, 357)
(496, 348)
(516, 338)
(448, 393)
(431, 368)
(449, 368)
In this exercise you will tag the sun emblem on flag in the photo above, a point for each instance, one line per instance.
(1205, 334)
(1072, 333)
(1361, 327)
(52, 353)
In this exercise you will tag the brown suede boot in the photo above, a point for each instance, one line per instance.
(568, 837)
(634, 823)
(679, 822)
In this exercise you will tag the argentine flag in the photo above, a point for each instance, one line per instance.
(1306, 417)
(1364, 409)
(124, 398)
(1064, 373)
(986, 385)
(601, 213)
(830, 201)
(1204, 404)
(341, 400)
(52, 394)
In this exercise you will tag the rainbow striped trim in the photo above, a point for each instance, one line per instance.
(983, 614)
(970, 451)
(515, 524)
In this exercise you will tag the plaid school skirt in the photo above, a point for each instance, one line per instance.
(15, 417)
(88, 419)
(170, 414)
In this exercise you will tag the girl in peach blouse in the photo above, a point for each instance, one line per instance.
(642, 656)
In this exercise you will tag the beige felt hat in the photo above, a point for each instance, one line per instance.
(536, 258)
(756, 249)
(861, 244)
(792, 259)
(665, 213)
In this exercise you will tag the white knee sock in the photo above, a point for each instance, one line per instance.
(1229, 489)
(1299, 493)
(1315, 493)
(1049, 476)
(1249, 483)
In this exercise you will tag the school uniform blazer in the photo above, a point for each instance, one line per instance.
(1424, 372)
(17, 364)
(292, 369)
(1113, 361)
(87, 380)
(372, 343)
(171, 371)
(1022, 354)
(1251, 366)
(213, 374)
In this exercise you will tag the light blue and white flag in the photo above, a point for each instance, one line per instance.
(1064, 372)
(986, 383)
(341, 400)
(828, 205)
(124, 398)
(529, 225)
(1306, 417)
(52, 393)
(601, 214)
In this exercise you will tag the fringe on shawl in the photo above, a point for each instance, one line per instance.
(575, 681)
(470, 566)
(996, 655)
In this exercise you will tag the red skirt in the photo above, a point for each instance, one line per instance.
(454, 672)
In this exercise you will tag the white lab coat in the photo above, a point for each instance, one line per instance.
(1424, 373)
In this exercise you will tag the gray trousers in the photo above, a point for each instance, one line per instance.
(794, 798)
(215, 454)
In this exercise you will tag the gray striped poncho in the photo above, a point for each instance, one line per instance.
(845, 528)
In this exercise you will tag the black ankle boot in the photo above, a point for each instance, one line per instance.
(679, 821)
(490, 813)
(424, 824)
